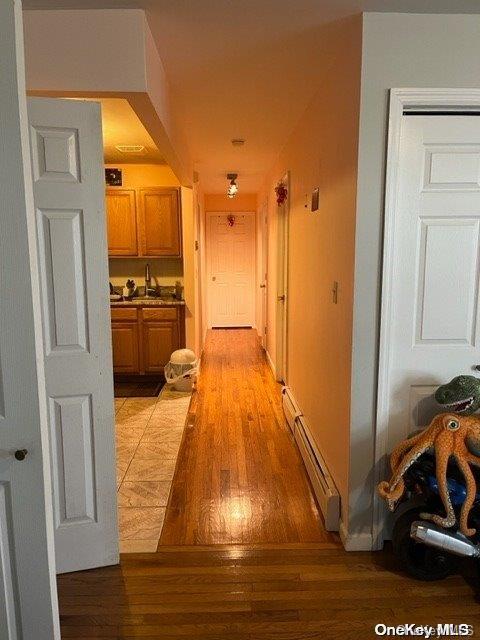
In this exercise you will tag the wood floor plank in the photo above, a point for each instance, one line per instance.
(239, 477)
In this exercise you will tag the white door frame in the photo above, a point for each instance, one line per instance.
(281, 307)
(263, 276)
(208, 215)
(400, 100)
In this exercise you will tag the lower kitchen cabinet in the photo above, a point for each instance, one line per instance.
(144, 338)
(159, 340)
(125, 345)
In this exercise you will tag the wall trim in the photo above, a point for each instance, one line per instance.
(400, 100)
(270, 363)
(355, 541)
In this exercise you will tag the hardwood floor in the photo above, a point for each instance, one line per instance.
(240, 479)
(239, 476)
(281, 592)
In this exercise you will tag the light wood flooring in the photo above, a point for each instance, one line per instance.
(239, 477)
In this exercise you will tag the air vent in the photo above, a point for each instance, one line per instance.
(131, 148)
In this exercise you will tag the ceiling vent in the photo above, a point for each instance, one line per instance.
(238, 142)
(131, 148)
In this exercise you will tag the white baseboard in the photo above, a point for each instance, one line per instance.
(270, 362)
(356, 541)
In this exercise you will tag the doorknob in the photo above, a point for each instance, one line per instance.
(281, 298)
(20, 454)
(263, 286)
(214, 278)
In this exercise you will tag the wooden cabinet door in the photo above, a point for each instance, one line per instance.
(159, 340)
(160, 224)
(125, 344)
(121, 222)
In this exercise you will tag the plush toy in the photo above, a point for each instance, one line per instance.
(460, 395)
(448, 434)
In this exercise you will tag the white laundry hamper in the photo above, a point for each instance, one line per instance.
(182, 369)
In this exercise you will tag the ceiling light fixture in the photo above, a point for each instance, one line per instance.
(232, 186)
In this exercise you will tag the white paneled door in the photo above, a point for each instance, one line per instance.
(231, 269)
(28, 599)
(436, 236)
(67, 168)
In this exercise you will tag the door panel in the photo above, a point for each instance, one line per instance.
(69, 201)
(62, 261)
(160, 222)
(436, 265)
(231, 270)
(28, 599)
(121, 222)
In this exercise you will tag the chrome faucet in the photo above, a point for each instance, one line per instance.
(148, 279)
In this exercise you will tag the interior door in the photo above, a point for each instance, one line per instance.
(231, 269)
(69, 195)
(281, 320)
(264, 275)
(28, 600)
(435, 332)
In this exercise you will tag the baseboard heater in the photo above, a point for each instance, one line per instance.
(322, 482)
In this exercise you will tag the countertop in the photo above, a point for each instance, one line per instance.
(150, 302)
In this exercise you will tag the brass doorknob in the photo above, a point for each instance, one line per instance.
(281, 298)
(20, 454)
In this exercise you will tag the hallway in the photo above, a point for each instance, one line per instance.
(239, 477)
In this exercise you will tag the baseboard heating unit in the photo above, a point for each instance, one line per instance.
(323, 485)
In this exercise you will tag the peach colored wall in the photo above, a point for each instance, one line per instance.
(220, 202)
(322, 151)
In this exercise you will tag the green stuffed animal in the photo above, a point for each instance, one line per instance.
(461, 395)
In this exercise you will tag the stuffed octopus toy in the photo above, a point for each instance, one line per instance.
(451, 435)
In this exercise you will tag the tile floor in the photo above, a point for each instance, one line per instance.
(148, 433)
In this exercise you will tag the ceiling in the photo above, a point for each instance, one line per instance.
(121, 126)
(243, 70)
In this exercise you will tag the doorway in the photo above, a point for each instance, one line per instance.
(430, 314)
(281, 310)
(231, 269)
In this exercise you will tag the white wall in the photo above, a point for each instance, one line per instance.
(109, 52)
(399, 50)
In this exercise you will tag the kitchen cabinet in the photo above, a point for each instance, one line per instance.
(121, 222)
(159, 214)
(144, 222)
(143, 338)
(125, 341)
(161, 336)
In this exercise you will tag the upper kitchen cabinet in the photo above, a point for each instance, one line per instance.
(159, 222)
(144, 222)
(121, 222)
